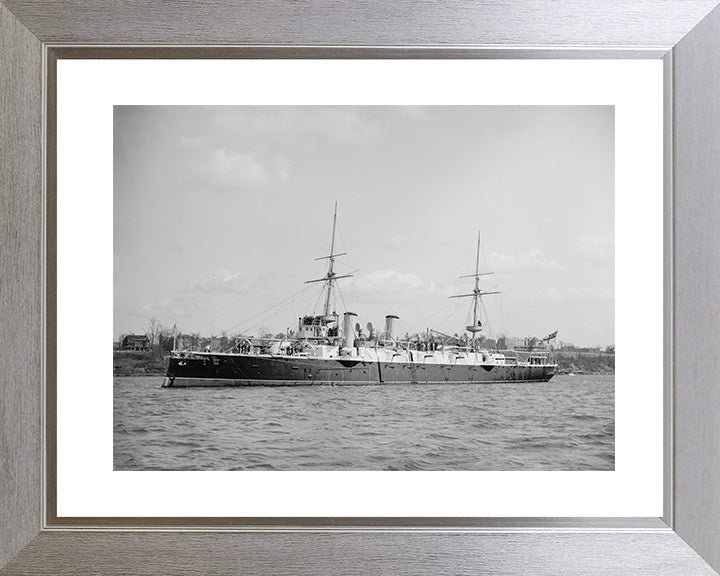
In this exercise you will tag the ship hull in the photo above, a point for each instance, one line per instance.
(251, 370)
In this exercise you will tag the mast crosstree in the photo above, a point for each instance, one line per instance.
(330, 277)
(476, 294)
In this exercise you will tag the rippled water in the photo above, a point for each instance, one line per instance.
(564, 424)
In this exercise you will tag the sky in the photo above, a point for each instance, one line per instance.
(220, 212)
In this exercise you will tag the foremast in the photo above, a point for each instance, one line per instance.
(330, 277)
(476, 294)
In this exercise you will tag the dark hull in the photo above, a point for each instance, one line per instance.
(245, 370)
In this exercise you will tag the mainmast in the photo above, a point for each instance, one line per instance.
(476, 294)
(330, 277)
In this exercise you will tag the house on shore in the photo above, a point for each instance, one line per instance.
(135, 342)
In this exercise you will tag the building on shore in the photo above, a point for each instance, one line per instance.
(138, 342)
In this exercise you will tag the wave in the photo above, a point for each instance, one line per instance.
(558, 427)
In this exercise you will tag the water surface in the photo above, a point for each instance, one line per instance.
(565, 424)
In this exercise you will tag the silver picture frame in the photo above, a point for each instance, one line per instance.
(685, 34)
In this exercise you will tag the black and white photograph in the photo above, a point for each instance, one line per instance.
(364, 288)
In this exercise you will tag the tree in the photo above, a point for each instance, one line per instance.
(166, 340)
(153, 331)
(264, 332)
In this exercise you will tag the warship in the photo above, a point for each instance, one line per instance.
(328, 349)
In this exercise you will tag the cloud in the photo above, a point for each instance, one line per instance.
(396, 242)
(190, 142)
(416, 113)
(534, 261)
(221, 282)
(229, 168)
(167, 308)
(570, 294)
(596, 247)
(539, 296)
(310, 124)
(392, 281)
(344, 125)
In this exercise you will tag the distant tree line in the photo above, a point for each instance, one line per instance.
(163, 338)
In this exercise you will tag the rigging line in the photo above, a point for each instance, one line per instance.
(502, 316)
(311, 310)
(461, 268)
(423, 313)
(307, 297)
(268, 317)
(332, 306)
(342, 238)
(453, 275)
(453, 313)
(342, 299)
(260, 324)
(267, 310)
(282, 302)
(310, 307)
(441, 310)
(434, 314)
(360, 299)
(325, 288)
(338, 299)
(482, 251)
(255, 285)
(487, 320)
(263, 313)
(354, 293)
(219, 311)
(314, 301)
(512, 313)
(287, 306)
(339, 263)
(500, 298)
(288, 256)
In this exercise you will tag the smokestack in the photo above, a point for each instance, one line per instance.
(390, 324)
(349, 328)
